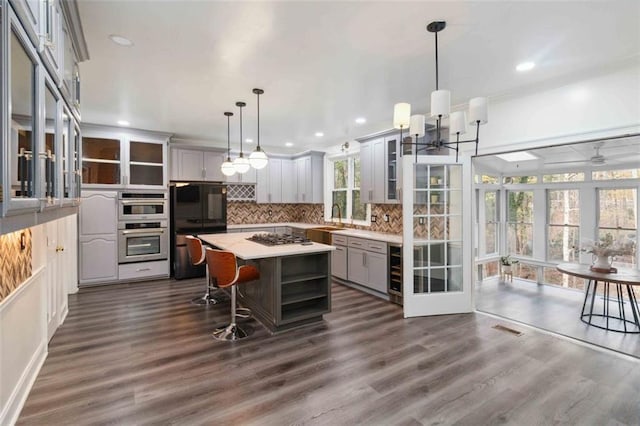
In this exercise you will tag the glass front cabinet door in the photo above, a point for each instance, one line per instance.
(20, 177)
(124, 160)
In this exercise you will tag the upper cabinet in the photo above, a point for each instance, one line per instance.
(380, 173)
(39, 123)
(113, 158)
(275, 183)
(196, 165)
(309, 176)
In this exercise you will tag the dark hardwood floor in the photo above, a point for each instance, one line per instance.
(141, 354)
(553, 309)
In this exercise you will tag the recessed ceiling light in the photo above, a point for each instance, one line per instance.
(517, 156)
(123, 123)
(319, 134)
(289, 144)
(120, 40)
(248, 140)
(361, 120)
(525, 66)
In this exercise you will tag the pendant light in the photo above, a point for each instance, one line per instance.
(258, 158)
(441, 109)
(227, 167)
(241, 164)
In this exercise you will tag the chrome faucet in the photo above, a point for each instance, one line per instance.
(339, 214)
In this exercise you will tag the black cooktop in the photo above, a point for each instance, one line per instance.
(271, 239)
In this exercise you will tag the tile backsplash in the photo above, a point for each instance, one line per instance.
(251, 212)
(15, 262)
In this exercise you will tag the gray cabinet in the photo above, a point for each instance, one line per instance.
(132, 160)
(289, 184)
(196, 165)
(98, 237)
(367, 263)
(339, 266)
(53, 41)
(269, 182)
(309, 176)
(380, 173)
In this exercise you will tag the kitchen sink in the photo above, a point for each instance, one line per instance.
(322, 234)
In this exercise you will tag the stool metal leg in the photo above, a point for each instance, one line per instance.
(232, 331)
(208, 298)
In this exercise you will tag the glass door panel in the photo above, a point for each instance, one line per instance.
(100, 161)
(64, 155)
(50, 153)
(76, 172)
(440, 262)
(146, 163)
(22, 107)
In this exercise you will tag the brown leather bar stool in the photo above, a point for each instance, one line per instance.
(224, 271)
(197, 256)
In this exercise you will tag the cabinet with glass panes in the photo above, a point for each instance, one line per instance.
(116, 158)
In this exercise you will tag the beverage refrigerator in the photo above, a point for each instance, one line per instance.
(196, 208)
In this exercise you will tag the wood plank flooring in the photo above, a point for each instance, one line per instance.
(141, 354)
(551, 308)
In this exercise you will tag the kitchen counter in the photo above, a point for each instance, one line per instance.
(248, 250)
(371, 235)
(274, 225)
(294, 287)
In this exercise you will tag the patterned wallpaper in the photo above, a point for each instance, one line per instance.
(15, 264)
(250, 212)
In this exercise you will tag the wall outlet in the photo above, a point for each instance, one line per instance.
(385, 217)
(270, 212)
(374, 218)
(421, 220)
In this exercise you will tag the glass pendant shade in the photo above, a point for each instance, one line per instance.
(458, 122)
(478, 111)
(440, 103)
(401, 115)
(227, 168)
(258, 159)
(241, 164)
(417, 125)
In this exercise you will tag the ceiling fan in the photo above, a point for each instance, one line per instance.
(596, 160)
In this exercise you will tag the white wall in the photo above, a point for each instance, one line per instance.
(590, 107)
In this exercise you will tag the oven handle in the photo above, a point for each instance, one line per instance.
(143, 231)
(141, 203)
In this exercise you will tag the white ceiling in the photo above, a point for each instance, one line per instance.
(322, 64)
(616, 153)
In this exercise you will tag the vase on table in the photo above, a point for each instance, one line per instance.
(601, 263)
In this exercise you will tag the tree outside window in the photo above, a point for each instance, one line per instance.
(617, 220)
(563, 225)
(520, 222)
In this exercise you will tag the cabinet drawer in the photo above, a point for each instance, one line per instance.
(377, 246)
(338, 240)
(134, 271)
(368, 245)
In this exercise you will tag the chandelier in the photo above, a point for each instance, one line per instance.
(440, 109)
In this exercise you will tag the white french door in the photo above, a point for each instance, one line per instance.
(437, 235)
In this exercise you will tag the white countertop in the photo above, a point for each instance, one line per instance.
(273, 225)
(377, 236)
(370, 235)
(246, 250)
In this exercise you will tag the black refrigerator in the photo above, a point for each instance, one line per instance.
(196, 208)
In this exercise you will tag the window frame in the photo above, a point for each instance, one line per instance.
(549, 224)
(509, 223)
(329, 173)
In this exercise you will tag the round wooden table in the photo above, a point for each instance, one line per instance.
(608, 320)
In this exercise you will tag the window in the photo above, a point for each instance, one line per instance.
(563, 225)
(519, 179)
(615, 174)
(520, 223)
(345, 190)
(491, 222)
(493, 180)
(564, 177)
(617, 220)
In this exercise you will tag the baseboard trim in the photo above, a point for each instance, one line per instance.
(11, 412)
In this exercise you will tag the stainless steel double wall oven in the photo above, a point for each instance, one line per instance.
(142, 226)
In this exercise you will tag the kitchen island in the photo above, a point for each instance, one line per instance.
(295, 280)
